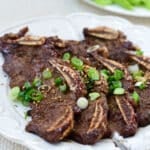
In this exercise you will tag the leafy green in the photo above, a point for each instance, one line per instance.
(103, 2)
(127, 4)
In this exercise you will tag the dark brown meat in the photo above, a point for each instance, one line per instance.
(115, 42)
(52, 121)
(57, 115)
(121, 116)
(143, 109)
(91, 124)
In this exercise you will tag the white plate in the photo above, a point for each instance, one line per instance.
(12, 122)
(137, 12)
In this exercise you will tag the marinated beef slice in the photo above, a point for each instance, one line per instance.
(91, 125)
(143, 109)
(57, 116)
(121, 116)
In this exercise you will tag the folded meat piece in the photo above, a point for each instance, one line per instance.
(113, 40)
(121, 116)
(52, 121)
(143, 108)
(91, 125)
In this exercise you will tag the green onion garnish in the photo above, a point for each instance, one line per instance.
(93, 74)
(66, 56)
(135, 97)
(37, 82)
(139, 52)
(47, 74)
(105, 73)
(58, 81)
(63, 88)
(118, 74)
(94, 95)
(14, 93)
(77, 63)
(27, 85)
(119, 91)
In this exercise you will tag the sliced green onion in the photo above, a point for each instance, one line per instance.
(14, 93)
(36, 96)
(37, 82)
(63, 88)
(93, 74)
(27, 85)
(77, 63)
(47, 74)
(142, 86)
(118, 74)
(25, 115)
(105, 73)
(82, 103)
(58, 81)
(94, 95)
(119, 91)
(115, 84)
(139, 53)
(133, 68)
(66, 56)
(135, 97)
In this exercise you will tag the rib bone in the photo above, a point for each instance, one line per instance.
(71, 76)
(102, 32)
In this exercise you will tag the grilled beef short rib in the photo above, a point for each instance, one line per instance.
(57, 116)
(91, 125)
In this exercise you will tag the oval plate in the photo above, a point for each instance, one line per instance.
(12, 122)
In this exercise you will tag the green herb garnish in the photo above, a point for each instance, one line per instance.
(37, 82)
(58, 81)
(94, 95)
(63, 88)
(93, 74)
(66, 56)
(47, 74)
(139, 52)
(105, 73)
(14, 93)
(135, 97)
(77, 63)
(119, 91)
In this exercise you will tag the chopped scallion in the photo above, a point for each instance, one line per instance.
(63, 88)
(93, 74)
(66, 56)
(47, 74)
(94, 95)
(58, 81)
(77, 63)
(135, 97)
(119, 91)
(14, 93)
(139, 52)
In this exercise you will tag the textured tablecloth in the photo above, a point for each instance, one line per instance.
(12, 11)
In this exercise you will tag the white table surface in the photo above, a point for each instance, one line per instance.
(12, 11)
